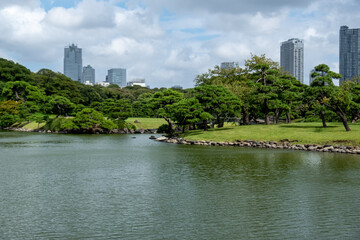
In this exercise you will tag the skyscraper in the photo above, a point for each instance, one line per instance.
(292, 58)
(117, 76)
(229, 65)
(349, 53)
(73, 62)
(88, 75)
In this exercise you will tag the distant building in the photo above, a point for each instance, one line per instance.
(73, 62)
(104, 84)
(229, 65)
(117, 76)
(292, 58)
(137, 82)
(349, 53)
(88, 75)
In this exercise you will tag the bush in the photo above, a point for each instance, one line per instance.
(163, 129)
(59, 124)
(122, 124)
(7, 120)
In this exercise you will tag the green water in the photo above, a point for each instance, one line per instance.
(121, 187)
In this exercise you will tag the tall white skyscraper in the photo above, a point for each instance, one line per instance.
(349, 53)
(292, 58)
(117, 76)
(73, 62)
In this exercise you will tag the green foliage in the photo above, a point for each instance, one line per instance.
(57, 84)
(122, 124)
(60, 124)
(163, 129)
(6, 120)
(12, 72)
(89, 118)
(118, 109)
(219, 102)
(60, 105)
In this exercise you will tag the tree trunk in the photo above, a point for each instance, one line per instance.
(205, 125)
(288, 117)
(277, 115)
(322, 116)
(342, 115)
(266, 111)
(355, 118)
(245, 116)
(170, 126)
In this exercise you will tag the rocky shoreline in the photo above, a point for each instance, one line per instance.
(91, 131)
(265, 144)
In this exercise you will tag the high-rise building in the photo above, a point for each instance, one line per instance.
(349, 53)
(88, 75)
(292, 58)
(229, 65)
(117, 76)
(73, 62)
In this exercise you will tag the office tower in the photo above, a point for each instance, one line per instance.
(229, 65)
(349, 53)
(117, 76)
(88, 75)
(292, 58)
(73, 62)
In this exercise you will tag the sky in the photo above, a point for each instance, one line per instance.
(170, 42)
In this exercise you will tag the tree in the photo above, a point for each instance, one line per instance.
(162, 104)
(219, 102)
(186, 112)
(336, 99)
(57, 84)
(119, 109)
(61, 106)
(23, 91)
(90, 119)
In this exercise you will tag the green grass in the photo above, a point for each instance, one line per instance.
(301, 133)
(147, 123)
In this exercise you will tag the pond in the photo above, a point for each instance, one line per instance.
(57, 186)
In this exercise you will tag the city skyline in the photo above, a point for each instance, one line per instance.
(169, 42)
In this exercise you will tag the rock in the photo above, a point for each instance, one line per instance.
(161, 139)
(152, 137)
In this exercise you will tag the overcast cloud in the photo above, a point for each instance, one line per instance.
(169, 42)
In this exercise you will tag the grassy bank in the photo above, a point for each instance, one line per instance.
(302, 133)
(146, 123)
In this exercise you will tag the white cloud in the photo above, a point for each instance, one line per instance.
(170, 42)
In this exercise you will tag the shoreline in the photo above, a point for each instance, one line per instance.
(265, 144)
(92, 131)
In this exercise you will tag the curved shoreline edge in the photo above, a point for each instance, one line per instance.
(265, 144)
(92, 131)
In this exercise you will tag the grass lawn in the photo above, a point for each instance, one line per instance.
(147, 123)
(301, 133)
(33, 125)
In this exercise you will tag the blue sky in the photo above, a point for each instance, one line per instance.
(169, 42)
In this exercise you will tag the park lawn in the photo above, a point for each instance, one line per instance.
(147, 123)
(33, 125)
(296, 133)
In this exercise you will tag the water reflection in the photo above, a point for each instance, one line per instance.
(117, 187)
